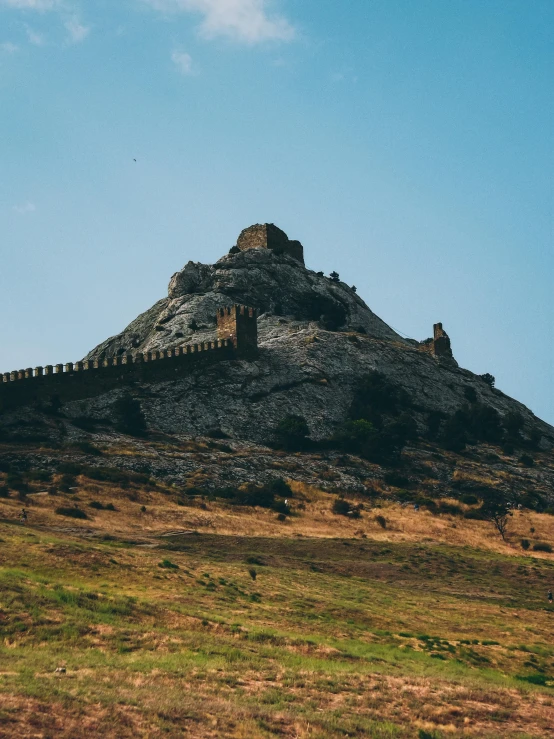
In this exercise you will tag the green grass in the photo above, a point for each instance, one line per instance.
(379, 641)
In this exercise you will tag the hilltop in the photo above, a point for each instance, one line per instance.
(258, 511)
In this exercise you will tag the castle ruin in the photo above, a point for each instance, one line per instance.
(237, 339)
(268, 236)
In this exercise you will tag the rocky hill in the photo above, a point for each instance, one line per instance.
(316, 338)
(213, 424)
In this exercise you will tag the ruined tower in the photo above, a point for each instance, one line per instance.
(441, 342)
(239, 324)
(268, 236)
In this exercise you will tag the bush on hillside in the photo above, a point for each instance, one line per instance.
(488, 378)
(71, 512)
(541, 546)
(375, 395)
(128, 416)
(292, 433)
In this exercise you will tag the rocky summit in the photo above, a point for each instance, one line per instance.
(316, 338)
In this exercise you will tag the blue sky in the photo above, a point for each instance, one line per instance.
(406, 143)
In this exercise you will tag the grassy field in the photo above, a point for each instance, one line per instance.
(321, 627)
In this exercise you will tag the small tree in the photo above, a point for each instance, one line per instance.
(292, 432)
(495, 509)
(129, 418)
(334, 276)
(489, 379)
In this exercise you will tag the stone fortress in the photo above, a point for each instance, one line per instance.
(237, 338)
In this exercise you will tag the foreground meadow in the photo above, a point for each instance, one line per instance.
(371, 634)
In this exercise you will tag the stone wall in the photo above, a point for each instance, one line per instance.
(237, 338)
(268, 236)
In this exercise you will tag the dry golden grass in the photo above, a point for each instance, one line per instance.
(314, 518)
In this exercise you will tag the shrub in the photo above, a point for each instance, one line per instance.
(280, 507)
(70, 468)
(534, 501)
(71, 512)
(470, 394)
(168, 565)
(489, 379)
(292, 432)
(39, 475)
(375, 394)
(281, 517)
(469, 499)
(280, 487)
(334, 276)
(382, 521)
(341, 507)
(541, 546)
(128, 416)
(4, 491)
(396, 479)
(86, 447)
(477, 422)
(508, 448)
(15, 482)
(217, 433)
(66, 483)
(527, 460)
(252, 572)
(84, 422)
(525, 544)
(100, 507)
(451, 509)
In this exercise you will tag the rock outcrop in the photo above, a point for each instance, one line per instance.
(316, 337)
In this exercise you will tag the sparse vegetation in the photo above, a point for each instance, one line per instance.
(71, 512)
(128, 415)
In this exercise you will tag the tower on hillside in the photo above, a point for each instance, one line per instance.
(239, 324)
(268, 236)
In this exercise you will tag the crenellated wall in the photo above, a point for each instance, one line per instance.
(237, 332)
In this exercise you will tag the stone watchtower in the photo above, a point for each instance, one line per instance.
(239, 324)
(268, 236)
(441, 342)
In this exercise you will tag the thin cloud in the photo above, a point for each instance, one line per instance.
(25, 208)
(8, 48)
(35, 38)
(246, 21)
(40, 5)
(183, 62)
(77, 31)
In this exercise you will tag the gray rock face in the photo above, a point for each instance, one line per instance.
(275, 284)
(316, 338)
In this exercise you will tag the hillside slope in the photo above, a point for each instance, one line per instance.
(317, 337)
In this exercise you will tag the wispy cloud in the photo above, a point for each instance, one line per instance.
(8, 48)
(35, 38)
(183, 62)
(24, 208)
(41, 5)
(77, 31)
(246, 21)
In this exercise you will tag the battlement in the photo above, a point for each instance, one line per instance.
(237, 338)
(239, 324)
